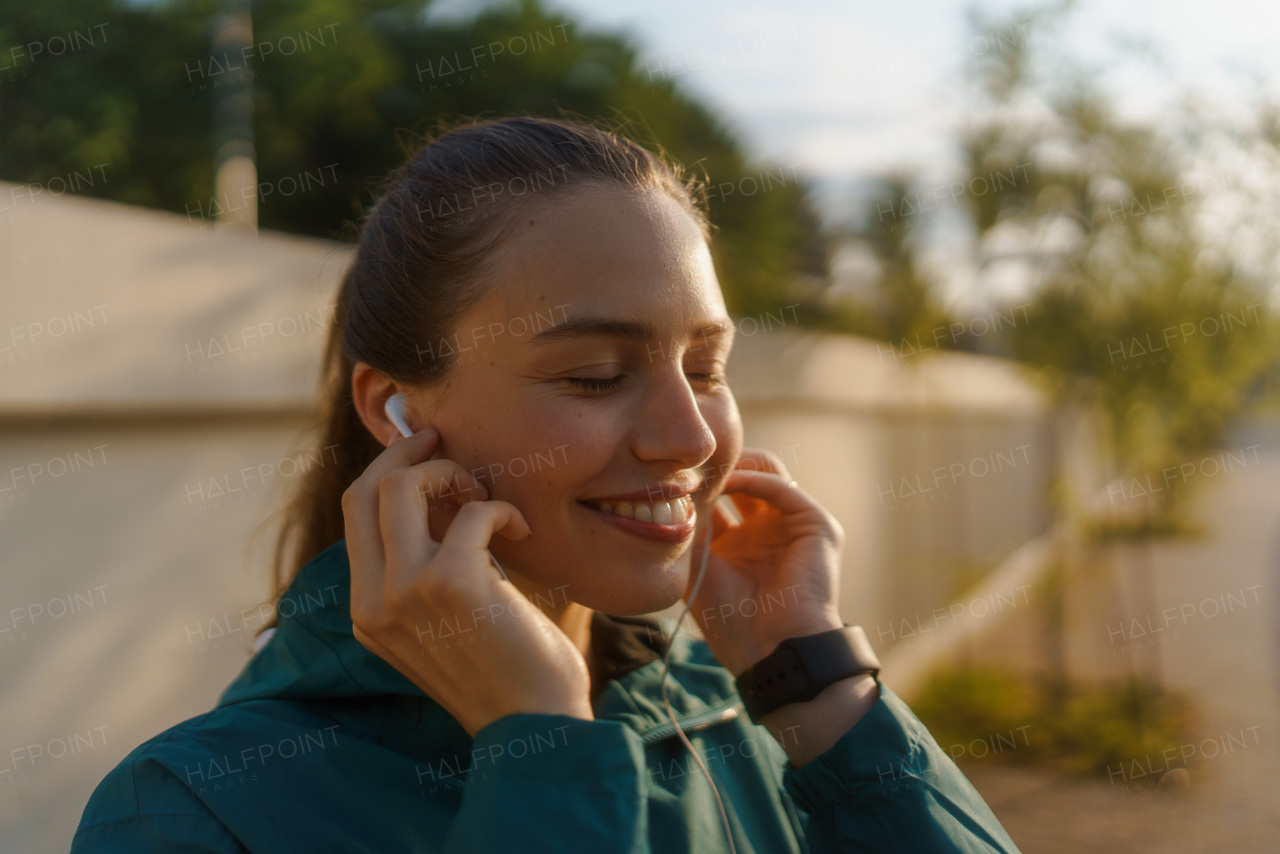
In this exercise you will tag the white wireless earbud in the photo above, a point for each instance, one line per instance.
(395, 409)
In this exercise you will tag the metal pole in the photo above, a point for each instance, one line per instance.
(235, 160)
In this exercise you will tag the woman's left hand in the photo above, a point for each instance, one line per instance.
(775, 576)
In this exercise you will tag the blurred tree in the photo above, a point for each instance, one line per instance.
(343, 89)
(1133, 311)
(902, 307)
(1128, 308)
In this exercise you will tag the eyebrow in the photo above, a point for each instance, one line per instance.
(631, 330)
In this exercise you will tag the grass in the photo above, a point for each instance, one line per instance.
(1066, 726)
(1111, 529)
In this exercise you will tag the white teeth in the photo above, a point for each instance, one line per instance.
(682, 510)
(675, 512)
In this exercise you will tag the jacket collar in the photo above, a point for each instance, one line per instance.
(313, 655)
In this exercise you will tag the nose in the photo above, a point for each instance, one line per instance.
(669, 425)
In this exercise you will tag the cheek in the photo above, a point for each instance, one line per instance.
(547, 459)
(726, 426)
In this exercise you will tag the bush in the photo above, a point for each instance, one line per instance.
(1070, 727)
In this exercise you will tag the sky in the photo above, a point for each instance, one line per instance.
(842, 92)
(850, 90)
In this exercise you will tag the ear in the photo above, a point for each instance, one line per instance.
(370, 389)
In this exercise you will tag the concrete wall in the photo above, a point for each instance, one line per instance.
(930, 500)
(117, 579)
(141, 358)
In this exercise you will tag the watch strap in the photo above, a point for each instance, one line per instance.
(801, 668)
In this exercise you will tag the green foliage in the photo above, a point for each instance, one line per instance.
(1133, 312)
(372, 80)
(1132, 528)
(1139, 317)
(1085, 729)
(903, 308)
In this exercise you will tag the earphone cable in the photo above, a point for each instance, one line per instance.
(706, 551)
(666, 669)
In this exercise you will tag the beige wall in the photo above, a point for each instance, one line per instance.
(150, 565)
(155, 565)
(905, 553)
(147, 566)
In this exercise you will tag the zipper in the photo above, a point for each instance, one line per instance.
(701, 720)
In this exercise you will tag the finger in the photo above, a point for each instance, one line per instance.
(455, 487)
(361, 499)
(405, 499)
(409, 451)
(468, 537)
(758, 459)
(776, 490)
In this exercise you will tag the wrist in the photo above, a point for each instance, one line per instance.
(762, 648)
(807, 730)
(570, 710)
(802, 667)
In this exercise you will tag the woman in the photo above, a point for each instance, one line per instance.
(543, 295)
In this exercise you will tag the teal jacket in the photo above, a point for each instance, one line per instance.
(319, 745)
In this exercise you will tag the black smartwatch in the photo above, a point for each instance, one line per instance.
(800, 668)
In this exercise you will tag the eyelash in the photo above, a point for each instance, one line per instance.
(610, 383)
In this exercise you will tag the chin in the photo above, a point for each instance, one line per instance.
(638, 590)
(613, 580)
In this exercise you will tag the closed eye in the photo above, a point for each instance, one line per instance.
(595, 383)
(610, 383)
(710, 379)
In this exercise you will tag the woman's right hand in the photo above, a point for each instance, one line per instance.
(404, 583)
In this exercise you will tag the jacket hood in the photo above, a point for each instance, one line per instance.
(313, 655)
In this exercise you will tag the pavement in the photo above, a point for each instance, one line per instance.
(1224, 654)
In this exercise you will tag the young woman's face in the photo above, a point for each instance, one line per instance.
(595, 370)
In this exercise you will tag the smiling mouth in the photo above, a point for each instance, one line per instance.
(675, 512)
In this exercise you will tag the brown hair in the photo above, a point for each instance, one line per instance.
(420, 265)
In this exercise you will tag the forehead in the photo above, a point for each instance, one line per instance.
(605, 251)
